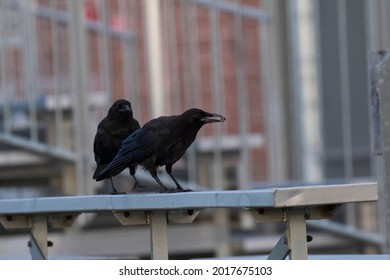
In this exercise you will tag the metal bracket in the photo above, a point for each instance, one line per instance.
(142, 217)
(38, 225)
(158, 221)
(294, 240)
(26, 221)
(265, 215)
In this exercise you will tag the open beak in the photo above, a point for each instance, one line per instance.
(211, 118)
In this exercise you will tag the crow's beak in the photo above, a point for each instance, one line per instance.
(125, 108)
(213, 118)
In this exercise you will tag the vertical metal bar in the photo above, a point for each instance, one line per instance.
(272, 37)
(30, 69)
(196, 76)
(382, 84)
(38, 238)
(58, 116)
(295, 62)
(345, 91)
(34, 70)
(297, 239)
(244, 109)
(377, 146)
(158, 235)
(155, 56)
(345, 102)
(125, 47)
(187, 83)
(170, 12)
(3, 69)
(189, 93)
(378, 22)
(105, 51)
(217, 84)
(134, 69)
(372, 44)
(79, 75)
(306, 90)
(316, 19)
(217, 97)
(196, 83)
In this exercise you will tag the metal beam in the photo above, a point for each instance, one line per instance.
(327, 194)
(269, 197)
(348, 232)
(35, 147)
(281, 249)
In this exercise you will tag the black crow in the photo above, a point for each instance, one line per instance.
(111, 131)
(161, 141)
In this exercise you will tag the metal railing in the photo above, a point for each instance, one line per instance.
(292, 205)
(78, 98)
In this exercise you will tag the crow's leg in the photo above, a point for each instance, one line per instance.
(114, 190)
(132, 173)
(154, 175)
(179, 188)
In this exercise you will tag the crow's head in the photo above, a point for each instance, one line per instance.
(199, 117)
(120, 108)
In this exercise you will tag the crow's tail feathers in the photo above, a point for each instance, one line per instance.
(97, 171)
(136, 147)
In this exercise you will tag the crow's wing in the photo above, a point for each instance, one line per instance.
(138, 146)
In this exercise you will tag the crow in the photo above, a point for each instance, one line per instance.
(161, 141)
(111, 131)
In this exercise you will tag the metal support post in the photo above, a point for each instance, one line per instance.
(79, 80)
(380, 110)
(296, 235)
(38, 238)
(155, 55)
(158, 235)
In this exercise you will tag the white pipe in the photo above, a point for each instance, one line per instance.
(154, 50)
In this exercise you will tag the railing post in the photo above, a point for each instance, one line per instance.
(296, 234)
(158, 235)
(38, 238)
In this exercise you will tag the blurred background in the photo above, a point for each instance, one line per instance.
(291, 77)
